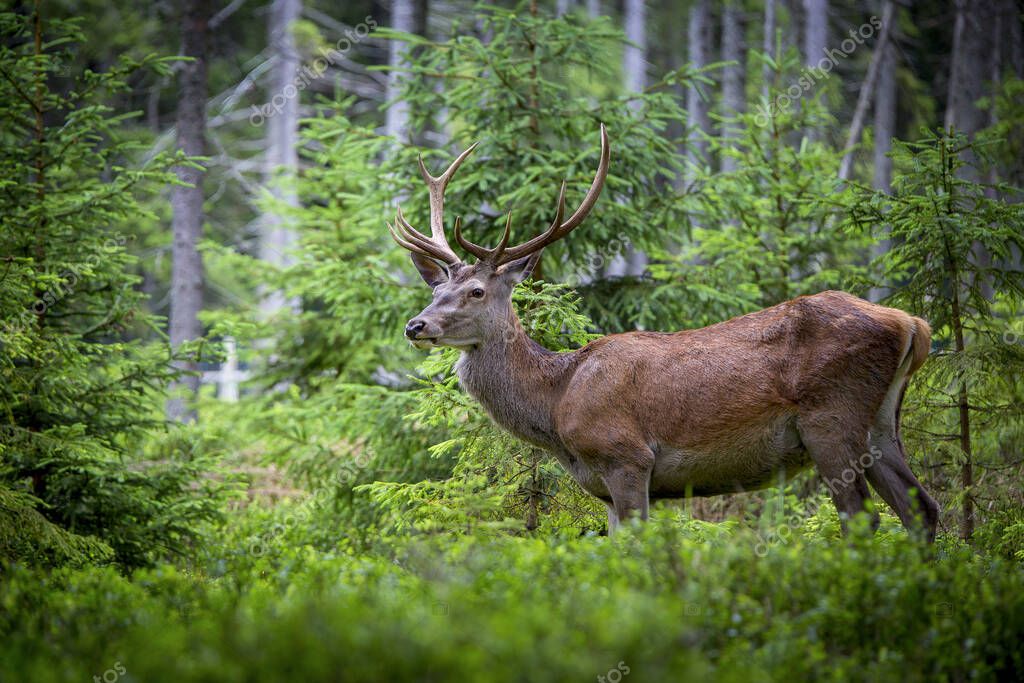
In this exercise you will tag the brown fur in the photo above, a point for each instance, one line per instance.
(719, 409)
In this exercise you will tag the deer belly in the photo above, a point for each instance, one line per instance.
(752, 459)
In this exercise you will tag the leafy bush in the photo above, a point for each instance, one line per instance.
(671, 599)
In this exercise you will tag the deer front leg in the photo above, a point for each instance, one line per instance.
(628, 484)
(613, 519)
(608, 456)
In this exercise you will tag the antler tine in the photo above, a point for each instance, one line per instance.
(559, 229)
(436, 246)
(414, 240)
(595, 188)
(409, 232)
(436, 186)
(450, 171)
(559, 214)
(408, 241)
(492, 256)
(411, 239)
(498, 250)
(402, 242)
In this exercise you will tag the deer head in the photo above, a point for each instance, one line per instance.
(472, 302)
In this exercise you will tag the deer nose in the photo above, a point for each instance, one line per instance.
(413, 328)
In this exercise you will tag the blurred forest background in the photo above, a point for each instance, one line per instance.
(219, 460)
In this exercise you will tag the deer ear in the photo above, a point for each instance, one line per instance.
(432, 272)
(520, 269)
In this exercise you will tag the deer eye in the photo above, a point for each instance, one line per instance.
(477, 293)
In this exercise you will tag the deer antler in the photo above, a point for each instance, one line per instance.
(435, 246)
(501, 255)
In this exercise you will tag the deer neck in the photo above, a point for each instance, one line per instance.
(518, 382)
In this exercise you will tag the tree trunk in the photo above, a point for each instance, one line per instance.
(791, 29)
(885, 117)
(421, 27)
(593, 8)
(963, 413)
(403, 13)
(733, 96)
(815, 30)
(885, 130)
(282, 160)
(866, 90)
(634, 70)
(970, 69)
(970, 66)
(187, 201)
(634, 56)
(815, 42)
(696, 106)
(1014, 37)
(769, 43)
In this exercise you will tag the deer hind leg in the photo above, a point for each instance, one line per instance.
(892, 478)
(839, 455)
(890, 475)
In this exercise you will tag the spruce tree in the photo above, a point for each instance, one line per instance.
(79, 384)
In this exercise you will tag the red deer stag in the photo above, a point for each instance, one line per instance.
(720, 409)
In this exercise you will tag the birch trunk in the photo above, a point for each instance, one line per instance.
(281, 162)
(815, 30)
(634, 69)
(403, 18)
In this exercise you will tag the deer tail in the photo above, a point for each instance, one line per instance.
(921, 343)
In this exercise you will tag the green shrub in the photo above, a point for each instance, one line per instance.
(670, 600)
